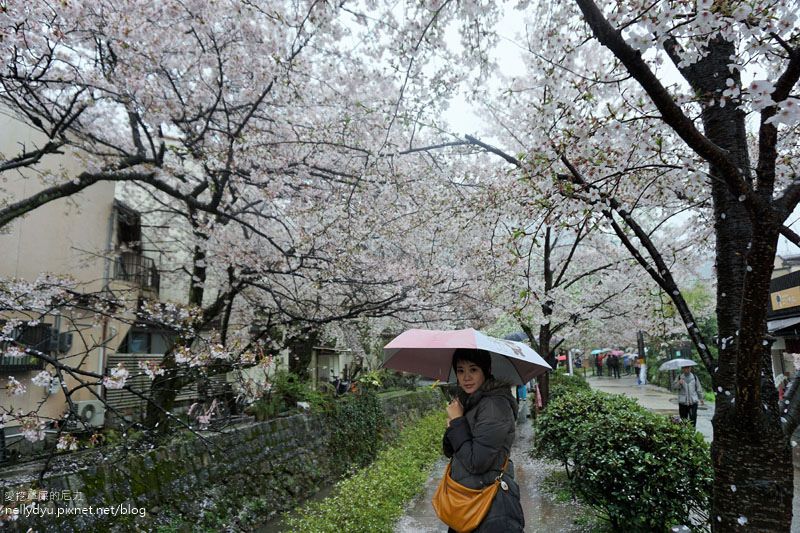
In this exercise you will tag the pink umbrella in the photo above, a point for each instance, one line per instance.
(617, 352)
(429, 352)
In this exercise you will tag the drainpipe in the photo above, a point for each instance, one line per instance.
(109, 247)
(102, 359)
(101, 362)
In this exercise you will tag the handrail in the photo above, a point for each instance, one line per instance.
(137, 269)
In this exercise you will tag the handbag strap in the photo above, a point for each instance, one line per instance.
(503, 470)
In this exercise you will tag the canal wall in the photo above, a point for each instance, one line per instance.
(248, 474)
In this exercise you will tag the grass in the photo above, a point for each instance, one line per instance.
(373, 499)
(556, 484)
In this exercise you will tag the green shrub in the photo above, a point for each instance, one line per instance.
(286, 389)
(357, 423)
(642, 471)
(374, 498)
(565, 384)
(560, 383)
(397, 380)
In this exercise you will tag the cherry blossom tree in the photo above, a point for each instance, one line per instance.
(264, 136)
(553, 269)
(638, 111)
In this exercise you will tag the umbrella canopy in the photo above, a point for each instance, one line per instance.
(631, 356)
(617, 352)
(675, 364)
(600, 350)
(429, 352)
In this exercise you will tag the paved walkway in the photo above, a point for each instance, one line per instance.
(542, 513)
(654, 398)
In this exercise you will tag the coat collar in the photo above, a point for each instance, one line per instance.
(491, 387)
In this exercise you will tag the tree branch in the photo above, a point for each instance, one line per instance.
(671, 113)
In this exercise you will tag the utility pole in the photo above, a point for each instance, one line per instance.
(569, 361)
(640, 343)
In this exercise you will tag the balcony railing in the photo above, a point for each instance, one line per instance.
(137, 269)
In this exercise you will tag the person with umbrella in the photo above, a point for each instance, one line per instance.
(481, 420)
(480, 432)
(689, 394)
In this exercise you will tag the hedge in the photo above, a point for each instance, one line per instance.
(639, 470)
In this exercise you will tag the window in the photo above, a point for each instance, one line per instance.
(38, 337)
(150, 342)
(129, 228)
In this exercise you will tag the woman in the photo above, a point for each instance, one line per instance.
(480, 431)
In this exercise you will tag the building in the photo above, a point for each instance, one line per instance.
(95, 241)
(783, 317)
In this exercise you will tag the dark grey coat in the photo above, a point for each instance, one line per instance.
(478, 444)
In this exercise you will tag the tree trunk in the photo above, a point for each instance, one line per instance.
(747, 488)
(300, 351)
(163, 391)
(165, 388)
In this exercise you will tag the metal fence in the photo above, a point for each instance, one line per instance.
(137, 269)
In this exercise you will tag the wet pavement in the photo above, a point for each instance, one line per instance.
(542, 512)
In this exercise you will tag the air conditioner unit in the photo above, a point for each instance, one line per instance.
(91, 412)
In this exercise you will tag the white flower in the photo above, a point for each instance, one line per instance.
(741, 12)
(116, 380)
(14, 351)
(15, 388)
(732, 91)
(151, 368)
(788, 113)
(760, 93)
(67, 442)
(42, 379)
(32, 429)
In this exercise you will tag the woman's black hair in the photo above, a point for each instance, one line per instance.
(482, 358)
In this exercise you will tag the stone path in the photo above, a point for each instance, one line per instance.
(542, 514)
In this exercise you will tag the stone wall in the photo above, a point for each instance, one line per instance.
(254, 472)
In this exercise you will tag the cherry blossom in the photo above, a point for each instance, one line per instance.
(14, 387)
(116, 378)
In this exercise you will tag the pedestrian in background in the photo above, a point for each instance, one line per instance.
(781, 381)
(522, 402)
(642, 371)
(614, 366)
(689, 394)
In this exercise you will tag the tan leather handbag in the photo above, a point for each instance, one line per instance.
(463, 508)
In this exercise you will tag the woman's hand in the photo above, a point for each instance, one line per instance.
(454, 410)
